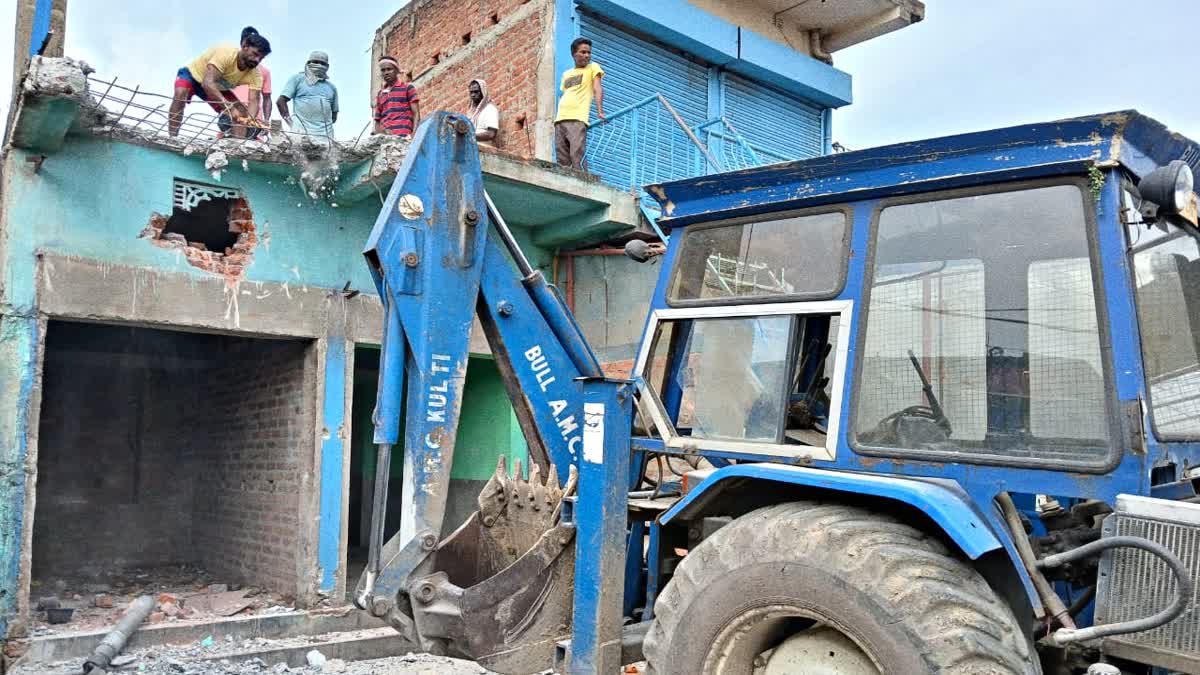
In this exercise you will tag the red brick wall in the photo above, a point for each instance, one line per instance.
(257, 447)
(505, 54)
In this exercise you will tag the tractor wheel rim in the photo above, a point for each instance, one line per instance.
(754, 642)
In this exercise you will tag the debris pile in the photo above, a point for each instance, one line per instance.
(181, 592)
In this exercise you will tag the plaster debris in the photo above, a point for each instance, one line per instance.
(216, 160)
(389, 155)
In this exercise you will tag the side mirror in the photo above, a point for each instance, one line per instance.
(639, 251)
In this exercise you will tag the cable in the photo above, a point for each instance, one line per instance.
(1183, 591)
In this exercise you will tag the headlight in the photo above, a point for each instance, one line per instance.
(1170, 186)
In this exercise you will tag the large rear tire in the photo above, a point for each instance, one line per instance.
(908, 603)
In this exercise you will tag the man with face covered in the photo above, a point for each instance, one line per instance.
(484, 114)
(315, 97)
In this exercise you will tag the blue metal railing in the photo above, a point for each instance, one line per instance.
(647, 142)
(731, 149)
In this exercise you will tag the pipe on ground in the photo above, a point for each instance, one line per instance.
(114, 642)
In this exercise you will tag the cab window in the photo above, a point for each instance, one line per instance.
(767, 382)
(798, 257)
(1166, 263)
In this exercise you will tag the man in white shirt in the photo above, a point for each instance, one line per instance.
(483, 113)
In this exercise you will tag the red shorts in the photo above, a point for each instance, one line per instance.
(184, 80)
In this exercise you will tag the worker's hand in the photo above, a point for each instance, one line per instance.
(600, 114)
(239, 112)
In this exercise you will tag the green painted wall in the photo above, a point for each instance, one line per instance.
(488, 427)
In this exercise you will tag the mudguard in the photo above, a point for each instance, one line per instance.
(943, 501)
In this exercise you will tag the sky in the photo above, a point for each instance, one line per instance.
(970, 65)
(982, 64)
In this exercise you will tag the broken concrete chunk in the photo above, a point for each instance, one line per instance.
(122, 660)
(48, 602)
(334, 666)
(216, 161)
(103, 601)
(315, 659)
(57, 76)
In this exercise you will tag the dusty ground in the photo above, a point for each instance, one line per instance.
(183, 592)
(173, 662)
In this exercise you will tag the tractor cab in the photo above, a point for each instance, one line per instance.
(1007, 300)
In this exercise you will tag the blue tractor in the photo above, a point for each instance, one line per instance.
(926, 408)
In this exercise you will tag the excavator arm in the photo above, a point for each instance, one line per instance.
(500, 589)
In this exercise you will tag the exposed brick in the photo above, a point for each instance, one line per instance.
(509, 64)
(258, 395)
(241, 221)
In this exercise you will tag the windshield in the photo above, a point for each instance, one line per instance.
(981, 331)
(1166, 263)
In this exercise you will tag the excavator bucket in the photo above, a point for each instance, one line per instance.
(498, 590)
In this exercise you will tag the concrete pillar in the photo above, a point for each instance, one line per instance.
(333, 463)
(20, 355)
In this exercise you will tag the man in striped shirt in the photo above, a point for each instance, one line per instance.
(397, 106)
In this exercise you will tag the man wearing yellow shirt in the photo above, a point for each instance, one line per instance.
(579, 85)
(214, 75)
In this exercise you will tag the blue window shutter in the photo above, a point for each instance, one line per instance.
(778, 126)
(635, 68)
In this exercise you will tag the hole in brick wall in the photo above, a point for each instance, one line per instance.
(206, 223)
(185, 433)
(466, 38)
(520, 122)
(408, 76)
(494, 19)
(436, 58)
(213, 226)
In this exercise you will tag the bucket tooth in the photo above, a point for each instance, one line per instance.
(552, 478)
(535, 475)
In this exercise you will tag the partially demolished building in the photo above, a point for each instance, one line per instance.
(188, 345)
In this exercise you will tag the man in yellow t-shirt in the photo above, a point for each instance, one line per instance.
(578, 86)
(214, 75)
